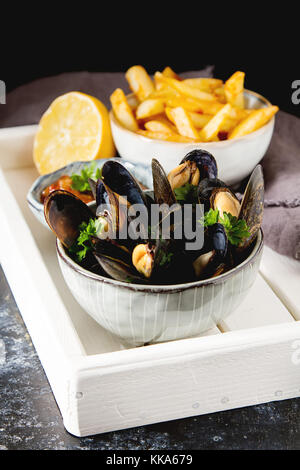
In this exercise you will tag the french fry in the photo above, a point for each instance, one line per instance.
(122, 110)
(212, 128)
(168, 72)
(228, 124)
(149, 107)
(139, 82)
(220, 94)
(199, 120)
(184, 89)
(161, 85)
(234, 89)
(239, 114)
(255, 120)
(202, 106)
(183, 122)
(204, 84)
(165, 136)
(160, 126)
(164, 93)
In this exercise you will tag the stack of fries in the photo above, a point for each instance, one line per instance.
(192, 110)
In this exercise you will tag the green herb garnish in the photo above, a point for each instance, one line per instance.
(210, 218)
(165, 259)
(80, 182)
(187, 192)
(236, 229)
(83, 243)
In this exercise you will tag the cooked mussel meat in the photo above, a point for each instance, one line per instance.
(195, 166)
(205, 188)
(224, 200)
(143, 258)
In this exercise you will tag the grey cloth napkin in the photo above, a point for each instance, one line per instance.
(281, 164)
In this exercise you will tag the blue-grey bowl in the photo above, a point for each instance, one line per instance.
(141, 171)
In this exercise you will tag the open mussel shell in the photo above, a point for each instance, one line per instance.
(126, 198)
(252, 206)
(111, 248)
(117, 269)
(209, 265)
(64, 212)
(206, 187)
(163, 192)
(205, 162)
(225, 201)
(93, 185)
(213, 258)
(122, 182)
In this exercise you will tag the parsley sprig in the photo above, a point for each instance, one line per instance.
(80, 182)
(83, 243)
(186, 193)
(236, 229)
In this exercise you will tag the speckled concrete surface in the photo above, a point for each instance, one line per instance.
(30, 419)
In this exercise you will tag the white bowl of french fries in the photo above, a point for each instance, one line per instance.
(167, 117)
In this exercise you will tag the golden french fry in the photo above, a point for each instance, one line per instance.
(199, 120)
(168, 72)
(234, 89)
(139, 82)
(158, 125)
(228, 124)
(164, 93)
(202, 106)
(210, 131)
(165, 136)
(220, 94)
(204, 84)
(255, 120)
(182, 88)
(169, 114)
(239, 114)
(184, 123)
(149, 107)
(122, 110)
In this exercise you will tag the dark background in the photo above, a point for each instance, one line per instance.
(185, 39)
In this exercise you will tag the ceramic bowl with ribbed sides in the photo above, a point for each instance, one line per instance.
(142, 314)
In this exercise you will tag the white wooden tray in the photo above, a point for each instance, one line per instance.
(99, 384)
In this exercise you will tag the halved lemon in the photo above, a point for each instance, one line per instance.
(75, 127)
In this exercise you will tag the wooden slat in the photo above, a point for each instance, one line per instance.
(283, 275)
(261, 307)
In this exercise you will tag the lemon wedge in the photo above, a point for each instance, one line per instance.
(75, 127)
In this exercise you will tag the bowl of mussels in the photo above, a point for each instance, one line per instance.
(162, 264)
